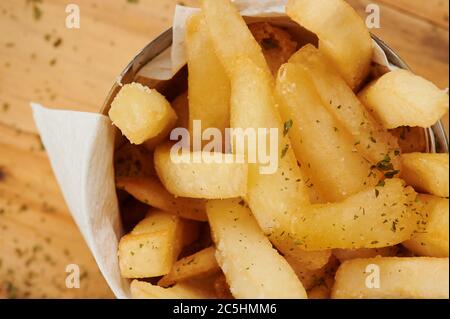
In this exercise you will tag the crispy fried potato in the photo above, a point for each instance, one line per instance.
(318, 140)
(343, 37)
(151, 192)
(153, 245)
(231, 36)
(369, 137)
(270, 196)
(433, 240)
(200, 264)
(277, 44)
(227, 179)
(426, 172)
(209, 86)
(400, 98)
(141, 113)
(145, 290)
(349, 254)
(376, 217)
(253, 268)
(421, 277)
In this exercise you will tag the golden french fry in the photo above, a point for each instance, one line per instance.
(151, 192)
(369, 137)
(153, 245)
(145, 290)
(433, 240)
(141, 113)
(400, 98)
(253, 268)
(200, 264)
(270, 196)
(319, 140)
(376, 217)
(209, 86)
(226, 179)
(230, 35)
(343, 37)
(392, 277)
(426, 172)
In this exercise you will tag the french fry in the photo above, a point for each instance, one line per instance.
(145, 290)
(253, 268)
(343, 37)
(376, 217)
(392, 277)
(231, 36)
(200, 264)
(433, 240)
(227, 179)
(370, 138)
(400, 98)
(151, 192)
(349, 254)
(270, 196)
(153, 245)
(141, 113)
(318, 140)
(426, 172)
(209, 85)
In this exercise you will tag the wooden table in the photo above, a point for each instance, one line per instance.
(42, 61)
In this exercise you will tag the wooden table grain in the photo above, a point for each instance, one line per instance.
(43, 61)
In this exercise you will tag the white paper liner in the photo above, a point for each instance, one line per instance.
(81, 146)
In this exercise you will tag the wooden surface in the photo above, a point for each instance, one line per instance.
(42, 61)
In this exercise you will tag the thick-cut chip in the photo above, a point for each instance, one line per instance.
(400, 98)
(153, 246)
(210, 180)
(426, 172)
(377, 217)
(253, 268)
(209, 86)
(433, 240)
(145, 290)
(343, 36)
(270, 196)
(392, 277)
(200, 264)
(150, 191)
(323, 147)
(141, 113)
(349, 254)
(370, 138)
(231, 36)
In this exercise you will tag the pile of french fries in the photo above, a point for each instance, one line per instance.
(355, 208)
